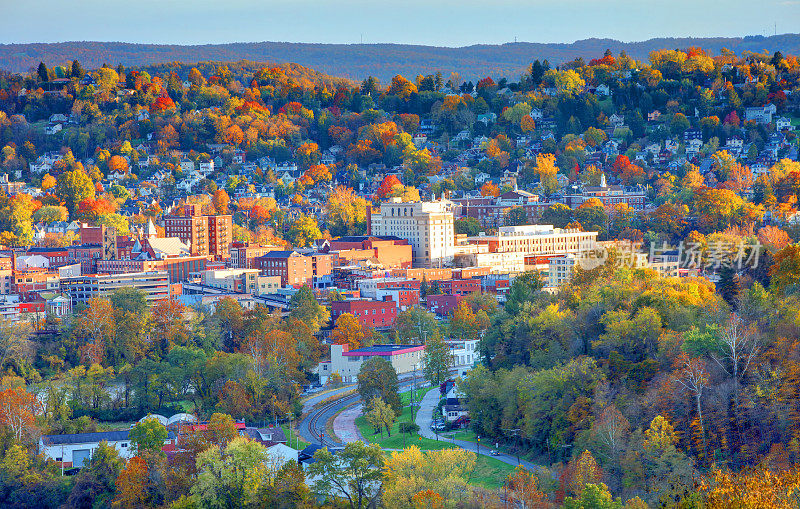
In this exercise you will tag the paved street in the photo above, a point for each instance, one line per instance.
(309, 403)
(424, 419)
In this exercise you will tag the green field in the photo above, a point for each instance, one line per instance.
(490, 473)
(397, 440)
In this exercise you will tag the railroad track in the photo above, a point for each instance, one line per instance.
(320, 416)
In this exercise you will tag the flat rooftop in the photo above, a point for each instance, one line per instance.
(384, 350)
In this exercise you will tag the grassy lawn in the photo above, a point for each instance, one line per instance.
(291, 436)
(490, 472)
(113, 426)
(397, 440)
(405, 397)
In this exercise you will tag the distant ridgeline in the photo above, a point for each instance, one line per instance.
(356, 61)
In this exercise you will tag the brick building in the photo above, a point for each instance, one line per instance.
(370, 313)
(293, 268)
(460, 286)
(242, 254)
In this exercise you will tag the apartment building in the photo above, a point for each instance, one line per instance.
(191, 228)
(428, 226)
(220, 235)
(233, 280)
(242, 254)
(293, 268)
(460, 286)
(560, 270)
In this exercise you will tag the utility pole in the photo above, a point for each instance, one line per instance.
(515, 433)
(413, 408)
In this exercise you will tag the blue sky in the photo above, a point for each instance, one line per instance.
(435, 22)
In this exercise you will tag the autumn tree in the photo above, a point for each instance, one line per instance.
(579, 472)
(440, 475)
(171, 328)
(18, 411)
(132, 485)
(346, 212)
(351, 476)
(523, 488)
(13, 341)
(489, 189)
(380, 415)
(546, 169)
(220, 201)
(348, 331)
(737, 348)
(692, 375)
(147, 436)
(304, 231)
(305, 308)
(235, 475)
(72, 187)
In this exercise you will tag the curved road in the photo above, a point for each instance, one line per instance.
(312, 427)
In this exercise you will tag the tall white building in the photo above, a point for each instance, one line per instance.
(538, 240)
(428, 226)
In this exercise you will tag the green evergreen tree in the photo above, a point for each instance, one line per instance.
(42, 72)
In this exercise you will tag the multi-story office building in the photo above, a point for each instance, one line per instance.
(538, 240)
(428, 226)
(81, 289)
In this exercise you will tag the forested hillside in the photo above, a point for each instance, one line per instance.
(355, 61)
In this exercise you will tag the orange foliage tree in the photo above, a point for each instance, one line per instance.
(348, 331)
(18, 411)
(220, 201)
(132, 484)
(489, 189)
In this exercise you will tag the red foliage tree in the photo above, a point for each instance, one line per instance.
(161, 104)
(386, 186)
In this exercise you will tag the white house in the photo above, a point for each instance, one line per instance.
(602, 90)
(782, 123)
(465, 355)
(761, 114)
(53, 129)
(187, 165)
(206, 167)
(76, 450)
